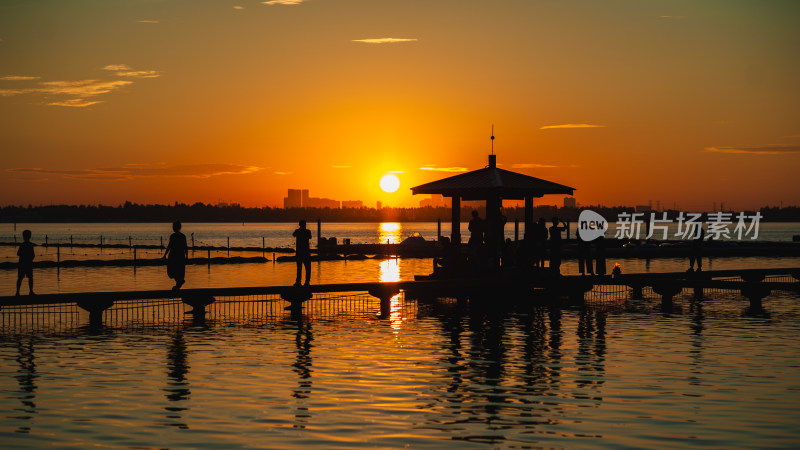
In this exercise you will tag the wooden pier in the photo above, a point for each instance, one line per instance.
(750, 283)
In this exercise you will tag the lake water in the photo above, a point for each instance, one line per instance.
(617, 373)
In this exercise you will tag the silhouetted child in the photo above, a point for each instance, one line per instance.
(176, 255)
(302, 238)
(25, 267)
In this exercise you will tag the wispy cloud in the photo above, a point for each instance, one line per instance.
(341, 167)
(760, 150)
(117, 67)
(149, 21)
(443, 169)
(139, 74)
(672, 17)
(238, 7)
(124, 70)
(283, 173)
(532, 166)
(131, 172)
(397, 171)
(571, 125)
(17, 78)
(75, 103)
(283, 2)
(79, 88)
(384, 40)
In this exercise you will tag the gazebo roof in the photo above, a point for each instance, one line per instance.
(490, 182)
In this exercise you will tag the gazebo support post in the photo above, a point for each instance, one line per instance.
(455, 233)
(494, 238)
(528, 215)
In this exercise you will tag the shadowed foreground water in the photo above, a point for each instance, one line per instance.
(617, 373)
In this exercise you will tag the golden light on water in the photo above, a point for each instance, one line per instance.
(389, 270)
(391, 232)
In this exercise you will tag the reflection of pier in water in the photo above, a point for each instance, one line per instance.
(495, 360)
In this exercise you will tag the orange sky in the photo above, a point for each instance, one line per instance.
(154, 102)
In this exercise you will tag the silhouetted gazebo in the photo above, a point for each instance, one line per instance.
(493, 185)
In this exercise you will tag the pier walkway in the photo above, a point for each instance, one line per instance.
(754, 284)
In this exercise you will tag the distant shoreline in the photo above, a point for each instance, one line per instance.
(201, 213)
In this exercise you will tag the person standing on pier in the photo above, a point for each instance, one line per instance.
(555, 244)
(302, 237)
(25, 267)
(176, 255)
(477, 228)
(539, 242)
(584, 256)
(697, 249)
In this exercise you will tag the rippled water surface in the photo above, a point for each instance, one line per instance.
(615, 373)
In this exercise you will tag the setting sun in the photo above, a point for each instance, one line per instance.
(390, 183)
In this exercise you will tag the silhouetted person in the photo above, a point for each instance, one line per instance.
(302, 237)
(600, 256)
(25, 266)
(477, 227)
(177, 254)
(555, 244)
(539, 236)
(508, 255)
(697, 250)
(584, 257)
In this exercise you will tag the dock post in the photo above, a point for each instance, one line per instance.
(229, 246)
(162, 242)
(58, 254)
(134, 256)
(45, 240)
(385, 294)
(636, 291)
(667, 291)
(130, 242)
(698, 292)
(70, 241)
(516, 229)
(95, 309)
(198, 304)
(755, 292)
(438, 230)
(319, 231)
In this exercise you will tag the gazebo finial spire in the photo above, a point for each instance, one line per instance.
(492, 139)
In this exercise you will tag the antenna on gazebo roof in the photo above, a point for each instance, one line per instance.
(492, 139)
(492, 157)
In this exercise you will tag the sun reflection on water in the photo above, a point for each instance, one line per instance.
(390, 231)
(389, 270)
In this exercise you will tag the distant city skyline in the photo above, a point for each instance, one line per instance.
(300, 198)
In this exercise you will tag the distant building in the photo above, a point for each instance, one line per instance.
(570, 202)
(642, 208)
(299, 198)
(379, 205)
(293, 199)
(314, 202)
(435, 201)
